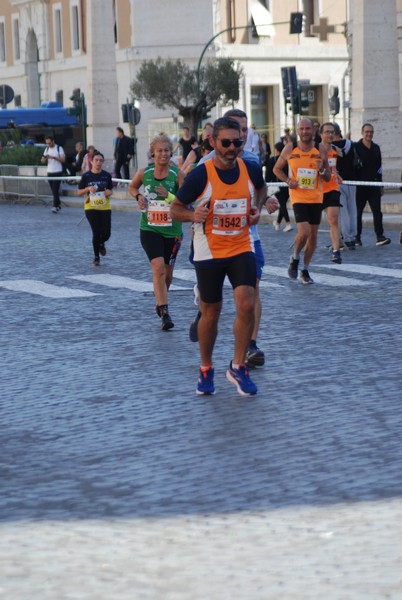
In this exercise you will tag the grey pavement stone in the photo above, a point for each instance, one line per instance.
(118, 482)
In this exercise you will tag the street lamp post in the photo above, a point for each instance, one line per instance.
(225, 31)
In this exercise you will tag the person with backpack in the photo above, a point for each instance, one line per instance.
(54, 157)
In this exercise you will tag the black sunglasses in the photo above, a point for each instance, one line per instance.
(226, 143)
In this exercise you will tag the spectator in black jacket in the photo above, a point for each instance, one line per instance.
(369, 154)
(123, 153)
(76, 165)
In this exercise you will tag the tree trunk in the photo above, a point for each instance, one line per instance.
(193, 115)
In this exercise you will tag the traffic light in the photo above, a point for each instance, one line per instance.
(333, 100)
(290, 89)
(124, 112)
(130, 114)
(304, 102)
(76, 97)
(78, 104)
(296, 22)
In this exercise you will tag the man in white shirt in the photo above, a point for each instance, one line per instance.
(54, 157)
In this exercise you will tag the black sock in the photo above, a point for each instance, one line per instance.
(163, 309)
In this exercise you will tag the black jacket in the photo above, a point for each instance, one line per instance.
(345, 164)
(124, 147)
(371, 169)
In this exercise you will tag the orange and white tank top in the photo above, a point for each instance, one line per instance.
(332, 184)
(303, 168)
(226, 231)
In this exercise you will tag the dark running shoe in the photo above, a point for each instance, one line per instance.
(241, 379)
(193, 331)
(102, 250)
(350, 245)
(293, 267)
(382, 241)
(205, 385)
(358, 241)
(254, 357)
(305, 277)
(96, 262)
(167, 322)
(336, 257)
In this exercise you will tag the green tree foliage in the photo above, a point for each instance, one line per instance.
(173, 83)
(20, 155)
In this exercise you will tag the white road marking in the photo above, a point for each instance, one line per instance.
(117, 281)
(366, 270)
(189, 275)
(32, 286)
(331, 280)
(46, 290)
(186, 274)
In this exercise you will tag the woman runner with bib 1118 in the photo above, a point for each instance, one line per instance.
(160, 236)
(96, 186)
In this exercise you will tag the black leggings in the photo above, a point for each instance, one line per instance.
(100, 222)
(283, 197)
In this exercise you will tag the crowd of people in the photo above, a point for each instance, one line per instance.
(228, 175)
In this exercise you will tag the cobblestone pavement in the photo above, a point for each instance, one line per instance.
(118, 482)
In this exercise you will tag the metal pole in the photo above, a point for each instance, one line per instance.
(83, 121)
(220, 33)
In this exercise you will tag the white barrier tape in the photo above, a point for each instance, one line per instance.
(384, 184)
(47, 177)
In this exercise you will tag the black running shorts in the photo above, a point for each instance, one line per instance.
(159, 246)
(331, 198)
(307, 213)
(240, 269)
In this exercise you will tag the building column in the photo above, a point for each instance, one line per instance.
(375, 90)
(102, 94)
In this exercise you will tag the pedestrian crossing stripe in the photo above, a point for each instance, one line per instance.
(366, 270)
(39, 288)
(324, 278)
(118, 281)
(47, 290)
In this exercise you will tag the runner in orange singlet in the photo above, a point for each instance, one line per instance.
(308, 167)
(227, 193)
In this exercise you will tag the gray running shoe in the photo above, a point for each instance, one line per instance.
(305, 277)
(293, 267)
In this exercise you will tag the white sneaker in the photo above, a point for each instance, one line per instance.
(54, 209)
(288, 228)
(277, 226)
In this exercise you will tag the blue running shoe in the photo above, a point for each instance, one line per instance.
(205, 386)
(241, 379)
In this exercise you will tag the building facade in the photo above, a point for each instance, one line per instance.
(48, 48)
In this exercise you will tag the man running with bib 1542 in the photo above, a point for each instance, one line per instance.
(226, 193)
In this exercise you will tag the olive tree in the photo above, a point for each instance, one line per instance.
(193, 93)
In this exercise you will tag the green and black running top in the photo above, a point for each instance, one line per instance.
(157, 216)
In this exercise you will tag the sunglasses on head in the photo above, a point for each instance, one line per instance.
(226, 143)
